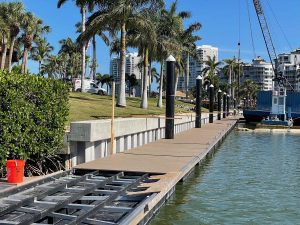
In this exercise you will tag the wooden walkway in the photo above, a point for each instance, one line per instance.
(169, 161)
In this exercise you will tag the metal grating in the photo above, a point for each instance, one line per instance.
(83, 198)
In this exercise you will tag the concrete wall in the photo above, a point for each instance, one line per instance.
(89, 140)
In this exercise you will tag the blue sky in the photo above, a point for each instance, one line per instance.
(219, 19)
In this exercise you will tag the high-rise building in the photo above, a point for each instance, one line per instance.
(197, 65)
(260, 72)
(132, 61)
(288, 65)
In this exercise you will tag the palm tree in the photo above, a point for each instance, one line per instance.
(41, 51)
(143, 37)
(86, 37)
(33, 29)
(210, 71)
(51, 67)
(249, 90)
(4, 29)
(82, 4)
(170, 24)
(188, 41)
(229, 69)
(70, 58)
(131, 82)
(107, 80)
(120, 15)
(15, 16)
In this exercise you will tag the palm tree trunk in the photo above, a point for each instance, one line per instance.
(187, 76)
(40, 63)
(94, 58)
(238, 82)
(121, 96)
(11, 50)
(150, 77)
(144, 103)
(3, 58)
(24, 61)
(83, 14)
(161, 83)
(176, 81)
(142, 79)
(230, 80)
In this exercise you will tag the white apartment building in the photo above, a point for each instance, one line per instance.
(132, 61)
(260, 72)
(197, 65)
(288, 65)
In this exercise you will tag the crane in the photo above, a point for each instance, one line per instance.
(268, 41)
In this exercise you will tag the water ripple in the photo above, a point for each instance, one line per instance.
(252, 179)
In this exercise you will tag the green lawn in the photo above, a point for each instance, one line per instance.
(85, 106)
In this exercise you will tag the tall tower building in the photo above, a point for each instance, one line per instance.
(132, 61)
(197, 65)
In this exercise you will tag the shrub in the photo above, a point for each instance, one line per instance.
(33, 112)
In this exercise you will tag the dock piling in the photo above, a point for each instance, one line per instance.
(224, 104)
(170, 98)
(219, 104)
(228, 104)
(211, 103)
(198, 102)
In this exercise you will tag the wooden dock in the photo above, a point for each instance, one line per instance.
(168, 161)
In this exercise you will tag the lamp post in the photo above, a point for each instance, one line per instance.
(170, 98)
(198, 101)
(211, 103)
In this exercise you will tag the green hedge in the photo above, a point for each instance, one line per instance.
(33, 112)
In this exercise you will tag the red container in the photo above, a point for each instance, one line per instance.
(15, 171)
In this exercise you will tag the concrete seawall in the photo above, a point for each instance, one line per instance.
(89, 140)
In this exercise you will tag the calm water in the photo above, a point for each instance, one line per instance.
(252, 179)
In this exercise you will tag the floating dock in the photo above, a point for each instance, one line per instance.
(125, 188)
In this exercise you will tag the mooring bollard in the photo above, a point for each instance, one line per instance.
(219, 104)
(224, 104)
(228, 104)
(211, 103)
(198, 101)
(170, 98)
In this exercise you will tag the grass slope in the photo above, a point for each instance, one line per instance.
(85, 106)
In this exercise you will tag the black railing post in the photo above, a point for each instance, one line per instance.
(170, 98)
(224, 104)
(219, 104)
(198, 101)
(211, 103)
